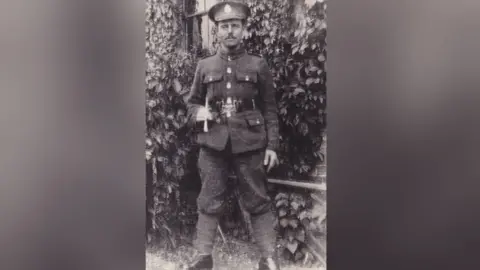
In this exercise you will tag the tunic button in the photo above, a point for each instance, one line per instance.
(229, 70)
(258, 121)
(210, 78)
(246, 78)
(229, 59)
(218, 120)
(229, 85)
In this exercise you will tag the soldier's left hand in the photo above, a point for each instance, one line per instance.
(271, 159)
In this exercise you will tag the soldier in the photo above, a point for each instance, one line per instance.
(232, 100)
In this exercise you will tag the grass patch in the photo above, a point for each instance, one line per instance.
(233, 255)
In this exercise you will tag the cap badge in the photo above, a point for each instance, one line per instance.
(227, 8)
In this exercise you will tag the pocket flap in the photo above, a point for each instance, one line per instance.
(246, 76)
(213, 77)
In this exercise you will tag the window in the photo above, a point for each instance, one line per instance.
(198, 27)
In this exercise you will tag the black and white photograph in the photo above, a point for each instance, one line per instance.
(192, 135)
(236, 134)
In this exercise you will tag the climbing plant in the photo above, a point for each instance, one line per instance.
(168, 75)
(292, 37)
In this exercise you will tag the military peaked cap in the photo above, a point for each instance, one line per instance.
(226, 10)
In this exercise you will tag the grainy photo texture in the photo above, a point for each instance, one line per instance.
(236, 134)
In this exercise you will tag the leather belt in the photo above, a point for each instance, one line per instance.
(222, 109)
(229, 106)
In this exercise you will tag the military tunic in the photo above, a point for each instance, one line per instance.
(237, 141)
(237, 75)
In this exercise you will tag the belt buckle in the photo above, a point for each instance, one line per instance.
(229, 107)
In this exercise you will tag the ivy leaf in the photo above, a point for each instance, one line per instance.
(148, 141)
(305, 167)
(175, 83)
(306, 222)
(282, 202)
(318, 211)
(158, 138)
(148, 155)
(289, 234)
(296, 33)
(168, 169)
(282, 212)
(312, 226)
(282, 242)
(267, 41)
(321, 58)
(310, 81)
(298, 256)
(152, 84)
(300, 235)
(298, 90)
(185, 97)
(159, 88)
(294, 50)
(323, 25)
(284, 222)
(304, 46)
(295, 205)
(293, 223)
(304, 127)
(302, 215)
(281, 196)
(292, 246)
(151, 103)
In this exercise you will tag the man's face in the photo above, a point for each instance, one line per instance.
(230, 33)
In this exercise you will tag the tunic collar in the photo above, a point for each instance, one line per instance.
(235, 54)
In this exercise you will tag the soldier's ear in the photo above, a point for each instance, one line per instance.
(244, 28)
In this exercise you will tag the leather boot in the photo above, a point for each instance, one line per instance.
(268, 264)
(201, 262)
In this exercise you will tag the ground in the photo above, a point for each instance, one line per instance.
(234, 255)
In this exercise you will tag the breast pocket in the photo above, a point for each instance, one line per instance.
(247, 80)
(211, 82)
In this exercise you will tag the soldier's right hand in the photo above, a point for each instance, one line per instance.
(203, 113)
